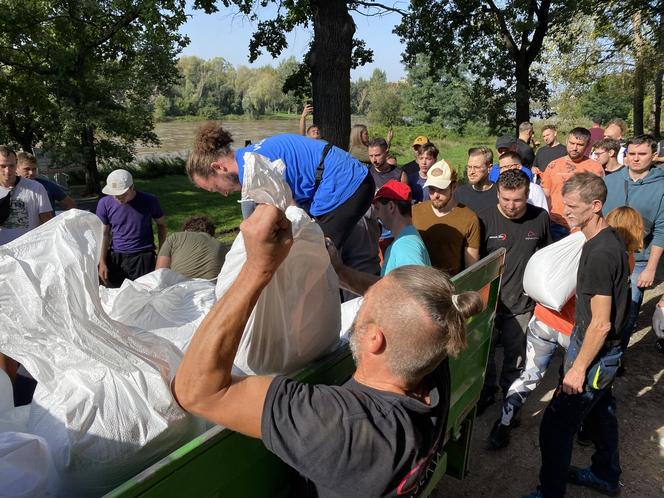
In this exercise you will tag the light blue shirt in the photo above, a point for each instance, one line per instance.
(407, 249)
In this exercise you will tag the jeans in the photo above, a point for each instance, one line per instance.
(510, 330)
(541, 344)
(635, 305)
(596, 408)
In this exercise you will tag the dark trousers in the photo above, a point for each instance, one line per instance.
(559, 425)
(338, 223)
(595, 407)
(510, 331)
(131, 266)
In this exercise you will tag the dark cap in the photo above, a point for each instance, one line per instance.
(505, 142)
(394, 191)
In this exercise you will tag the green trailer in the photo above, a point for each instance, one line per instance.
(221, 462)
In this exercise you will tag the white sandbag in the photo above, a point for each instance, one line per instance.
(550, 275)
(103, 403)
(163, 302)
(297, 317)
(658, 322)
(25, 465)
(6, 392)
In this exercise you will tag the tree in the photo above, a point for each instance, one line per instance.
(499, 42)
(99, 64)
(332, 54)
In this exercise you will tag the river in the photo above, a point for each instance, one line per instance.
(178, 136)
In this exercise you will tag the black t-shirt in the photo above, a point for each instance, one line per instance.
(476, 200)
(520, 238)
(603, 271)
(410, 168)
(381, 178)
(353, 440)
(547, 154)
(526, 153)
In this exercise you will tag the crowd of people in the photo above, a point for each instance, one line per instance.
(395, 234)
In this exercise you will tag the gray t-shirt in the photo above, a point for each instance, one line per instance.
(353, 440)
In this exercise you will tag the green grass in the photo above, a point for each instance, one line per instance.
(181, 199)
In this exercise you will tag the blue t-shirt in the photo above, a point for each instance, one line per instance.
(53, 190)
(407, 249)
(495, 173)
(131, 223)
(342, 175)
(416, 184)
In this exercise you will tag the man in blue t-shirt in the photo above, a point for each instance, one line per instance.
(330, 184)
(127, 248)
(392, 205)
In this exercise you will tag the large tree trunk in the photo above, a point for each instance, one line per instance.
(656, 129)
(522, 92)
(330, 69)
(639, 76)
(90, 161)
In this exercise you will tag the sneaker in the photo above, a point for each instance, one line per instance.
(660, 345)
(499, 437)
(487, 398)
(585, 477)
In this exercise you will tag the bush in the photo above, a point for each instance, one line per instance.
(145, 169)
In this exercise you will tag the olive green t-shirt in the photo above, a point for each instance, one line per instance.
(446, 237)
(194, 254)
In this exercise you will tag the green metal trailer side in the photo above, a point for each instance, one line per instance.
(224, 463)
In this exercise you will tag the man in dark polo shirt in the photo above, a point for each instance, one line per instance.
(378, 434)
(594, 354)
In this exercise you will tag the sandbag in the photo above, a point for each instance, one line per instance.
(25, 465)
(103, 403)
(163, 302)
(297, 317)
(658, 322)
(550, 275)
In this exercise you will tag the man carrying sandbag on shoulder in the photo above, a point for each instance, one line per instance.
(377, 434)
(593, 357)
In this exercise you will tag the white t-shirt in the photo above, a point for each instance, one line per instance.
(29, 200)
(536, 197)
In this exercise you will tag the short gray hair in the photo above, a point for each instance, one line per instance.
(525, 126)
(429, 322)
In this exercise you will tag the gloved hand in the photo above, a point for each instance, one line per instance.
(658, 321)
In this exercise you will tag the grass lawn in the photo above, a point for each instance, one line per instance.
(181, 199)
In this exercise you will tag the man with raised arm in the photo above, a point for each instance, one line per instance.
(377, 434)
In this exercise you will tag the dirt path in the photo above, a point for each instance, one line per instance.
(512, 472)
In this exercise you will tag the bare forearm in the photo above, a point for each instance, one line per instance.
(354, 280)
(205, 370)
(655, 255)
(161, 234)
(592, 344)
(105, 245)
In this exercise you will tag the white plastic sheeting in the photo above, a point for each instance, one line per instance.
(297, 317)
(164, 302)
(550, 275)
(103, 404)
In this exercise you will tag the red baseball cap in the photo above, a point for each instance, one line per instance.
(394, 191)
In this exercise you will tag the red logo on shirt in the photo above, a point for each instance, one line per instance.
(501, 236)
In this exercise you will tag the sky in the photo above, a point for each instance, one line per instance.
(226, 34)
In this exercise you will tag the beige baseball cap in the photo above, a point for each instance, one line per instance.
(440, 175)
(118, 182)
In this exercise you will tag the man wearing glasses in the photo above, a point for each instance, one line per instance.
(606, 153)
(480, 192)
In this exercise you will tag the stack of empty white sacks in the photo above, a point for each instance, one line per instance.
(105, 359)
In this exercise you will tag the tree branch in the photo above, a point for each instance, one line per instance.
(376, 5)
(504, 30)
(540, 31)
